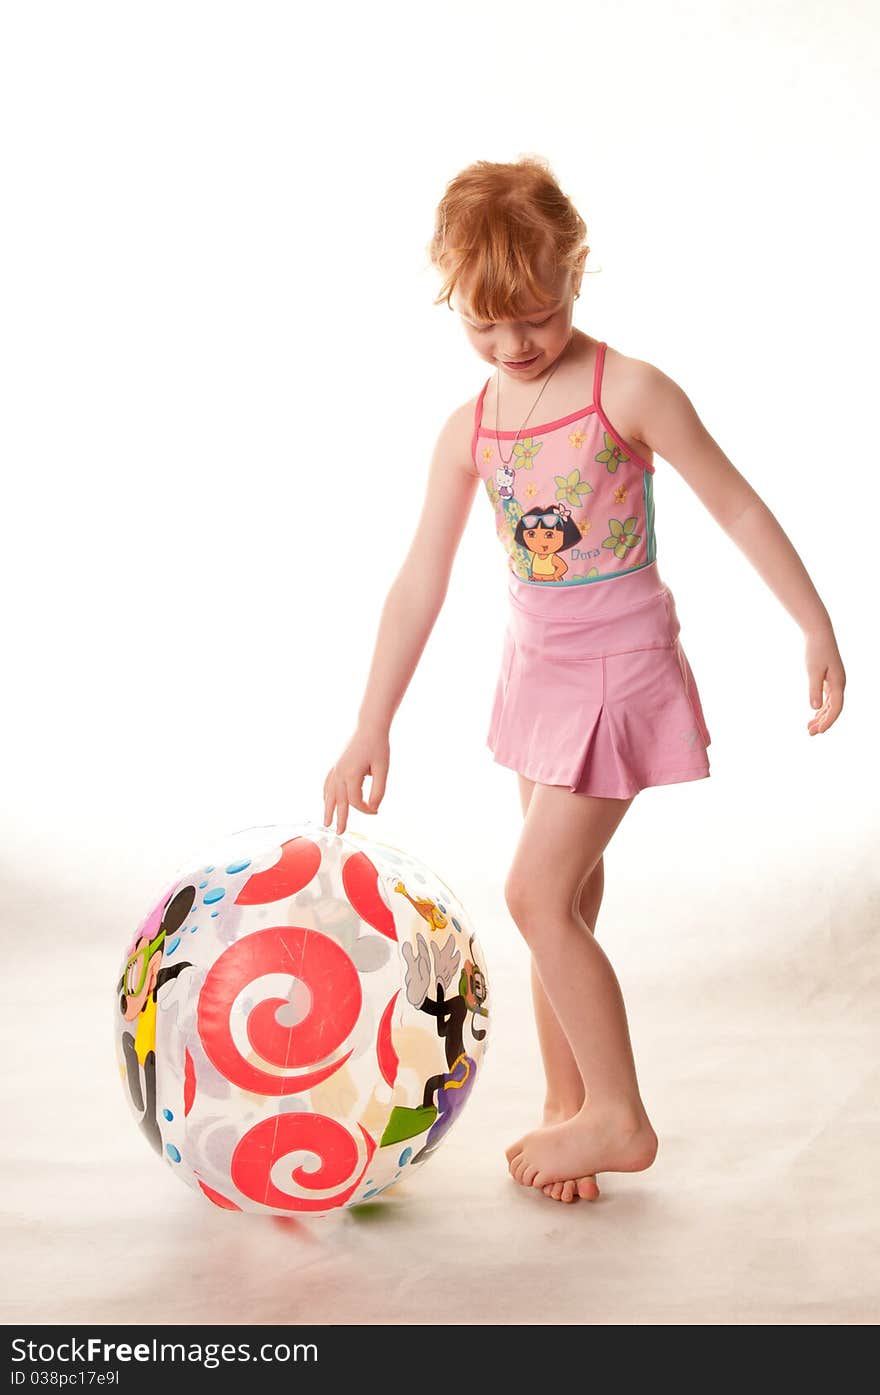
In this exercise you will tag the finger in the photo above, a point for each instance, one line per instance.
(817, 681)
(836, 685)
(341, 811)
(354, 794)
(831, 707)
(823, 707)
(377, 786)
(830, 714)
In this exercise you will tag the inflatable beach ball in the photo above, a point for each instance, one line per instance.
(300, 1019)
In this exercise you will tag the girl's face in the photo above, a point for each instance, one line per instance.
(540, 335)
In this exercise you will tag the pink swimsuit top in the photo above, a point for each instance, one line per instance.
(572, 502)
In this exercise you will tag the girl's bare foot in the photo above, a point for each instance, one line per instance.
(573, 1187)
(590, 1141)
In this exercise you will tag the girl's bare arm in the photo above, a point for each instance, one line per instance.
(411, 607)
(666, 420)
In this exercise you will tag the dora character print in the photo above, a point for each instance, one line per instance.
(545, 533)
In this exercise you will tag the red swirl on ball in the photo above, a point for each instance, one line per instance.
(268, 1142)
(360, 878)
(336, 998)
(299, 861)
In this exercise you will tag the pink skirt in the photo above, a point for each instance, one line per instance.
(595, 691)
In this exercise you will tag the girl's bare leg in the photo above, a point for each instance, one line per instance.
(565, 1088)
(562, 839)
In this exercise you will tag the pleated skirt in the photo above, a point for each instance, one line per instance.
(595, 691)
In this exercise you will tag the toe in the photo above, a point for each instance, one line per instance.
(519, 1169)
(530, 1172)
(514, 1163)
(556, 1191)
(587, 1188)
(511, 1152)
(568, 1192)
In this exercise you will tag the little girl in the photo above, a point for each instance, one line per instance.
(595, 699)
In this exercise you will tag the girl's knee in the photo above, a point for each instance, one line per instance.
(535, 913)
(592, 888)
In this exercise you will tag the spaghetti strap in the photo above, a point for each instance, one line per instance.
(597, 374)
(616, 438)
(478, 420)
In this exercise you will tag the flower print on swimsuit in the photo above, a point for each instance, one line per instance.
(546, 532)
(612, 455)
(622, 537)
(572, 488)
(524, 453)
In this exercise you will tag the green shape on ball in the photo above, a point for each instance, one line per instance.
(406, 1123)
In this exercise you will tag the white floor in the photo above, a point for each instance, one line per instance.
(758, 1061)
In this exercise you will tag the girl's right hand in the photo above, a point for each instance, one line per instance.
(366, 753)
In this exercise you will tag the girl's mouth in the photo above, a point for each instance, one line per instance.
(523, 363)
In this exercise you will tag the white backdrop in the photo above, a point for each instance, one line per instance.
(221, 369)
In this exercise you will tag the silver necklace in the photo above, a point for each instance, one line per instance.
(531, 409)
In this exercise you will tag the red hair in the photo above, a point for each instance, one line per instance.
(497, 226)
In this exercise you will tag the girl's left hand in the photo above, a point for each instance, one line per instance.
(827, 680)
